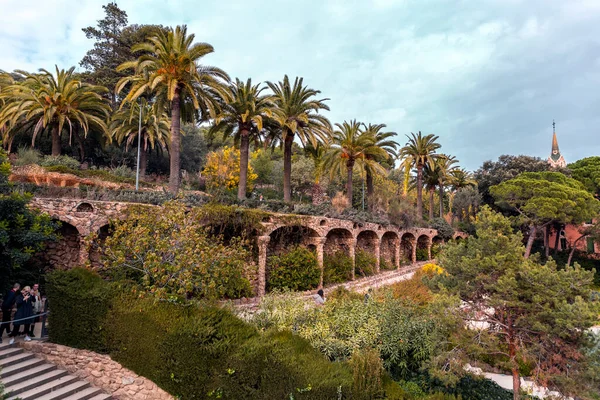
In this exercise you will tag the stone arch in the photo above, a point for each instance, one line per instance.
(407, 244)
(84, 207)
(65, 252)
(389, 250)
(287, 236)
(423, 248)
(338, 240)
(368, 241)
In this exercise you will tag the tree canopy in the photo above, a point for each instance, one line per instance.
(587, 171)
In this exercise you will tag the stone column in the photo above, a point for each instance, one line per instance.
(429, 243)
(352, 252)
(263, 243)
(320, 244)
(397, 253)
(413, 244)
(377, 245)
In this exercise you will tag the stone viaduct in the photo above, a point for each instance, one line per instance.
(390, 245)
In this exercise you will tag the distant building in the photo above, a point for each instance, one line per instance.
(556, 160)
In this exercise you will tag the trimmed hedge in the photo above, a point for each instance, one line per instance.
(336, 267)
(296, 270)
(364, 263)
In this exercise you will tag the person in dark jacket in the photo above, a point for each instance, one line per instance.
(24, 315)
(7, 306)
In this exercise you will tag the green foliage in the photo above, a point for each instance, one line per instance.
(468, 387)
(295, 270)
(167, 251)
(445, 231)
(540, 312)
(367, 370)
(364, 263)
(23, 232)
(587, 171)
(422, 254)
(80, 301)
(60, 161)
(28, 156)
(337, 267)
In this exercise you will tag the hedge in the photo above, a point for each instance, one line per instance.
(296, 270)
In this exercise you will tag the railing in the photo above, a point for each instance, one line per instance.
(44, 319)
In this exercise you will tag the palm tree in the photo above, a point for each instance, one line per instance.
(155, 124)
(461, 178)
(47, 101)
(431, 180)
(381, 139)
(349, 145)
(418, 152)
(445, 164)
(168, 68)
(242, 117)
(317, 154)
(297, 113)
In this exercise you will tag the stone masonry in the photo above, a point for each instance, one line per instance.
(100, 370)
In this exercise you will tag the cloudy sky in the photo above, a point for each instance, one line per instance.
(487, 76)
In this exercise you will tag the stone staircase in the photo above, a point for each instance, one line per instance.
(27, 377)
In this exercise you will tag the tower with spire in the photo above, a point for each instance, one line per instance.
(556, 160)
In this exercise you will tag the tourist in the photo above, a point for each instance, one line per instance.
(7, 306)
(319, 297)
(38, 306)
(24, 314)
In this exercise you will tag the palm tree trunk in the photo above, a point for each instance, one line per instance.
(143, 163)
(287, 167)
(420, 191)
(55, 141)
(350, 169)
(244, 149)
(175, 147)
(80, 142)
(370, 188)
(532, 232)
(431, 191)
(441, 193)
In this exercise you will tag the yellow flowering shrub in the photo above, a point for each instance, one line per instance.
(222, 170)
(433, 269)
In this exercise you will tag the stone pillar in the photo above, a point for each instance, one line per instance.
(84, 251)
(320, 244)
(352, 252)
(263, 243)
(429, 243)
(413, 244)
(397, 253)
(377, 245)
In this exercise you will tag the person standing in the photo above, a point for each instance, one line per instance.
(319, 297)
(37, 307)
(24, 314)
(7, 306)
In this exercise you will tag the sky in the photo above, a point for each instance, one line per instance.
(486, 76)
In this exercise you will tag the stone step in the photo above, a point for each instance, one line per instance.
(9, 352)
(15, 369)
(16, 359)
(33, 381)
(87, 394)
(102, 396)
(65, 391)
(27, 374)
(51, 387)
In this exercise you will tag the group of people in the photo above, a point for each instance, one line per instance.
(28, 303)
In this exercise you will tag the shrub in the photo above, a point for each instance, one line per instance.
(295, 270)
(337, 267)
(445, 231)
(65, 161)
(27, 156)
(340, 202)
(123, 171)
(422, 254)
(367, 370)
(413, 289)
(386, 265)
(364, 263)
(80, 301)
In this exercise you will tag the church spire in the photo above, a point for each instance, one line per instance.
(554, 140)
(556, 159)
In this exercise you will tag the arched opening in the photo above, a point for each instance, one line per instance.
(366, 258)
(406, 248)
(286, 237)
(337, 261)
(323, 222)
(422, 245)
(98, 244)
(84, 207)
(389, 242)
(436, 245)
(63, 253)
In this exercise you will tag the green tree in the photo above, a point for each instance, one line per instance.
(382, 140)
(317, 155)
(418, 152)
(55, 102)
(541, 198)
(445, 165)
(23, 232)
(587, 171)
(516, 309)
(169, 69)
(242, 117)
(349, 145)
(154, 123)
(296, 113)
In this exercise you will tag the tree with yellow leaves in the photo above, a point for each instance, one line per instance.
(222, 170)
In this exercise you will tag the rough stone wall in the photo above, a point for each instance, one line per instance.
(63, 253)
(100, 370)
